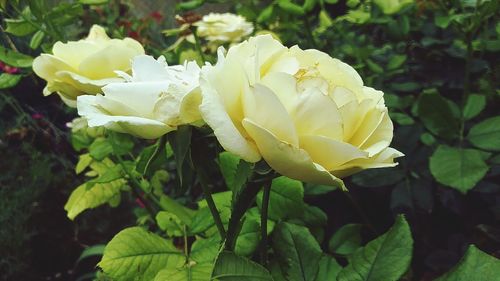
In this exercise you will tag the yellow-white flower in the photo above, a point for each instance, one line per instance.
(152, 102)
(223, 28)
(85, 66)
(308, 115)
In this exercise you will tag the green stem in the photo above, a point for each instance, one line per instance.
(240, 206)
(309, 32)
(159, 147)
(466, 90)
(197, 44)
(263, 222)
(136, 186)
(210, 202)
(361, 213)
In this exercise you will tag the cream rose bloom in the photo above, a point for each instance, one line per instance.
(307, 114)
(223, 28)
(85, 66)
(152, 102)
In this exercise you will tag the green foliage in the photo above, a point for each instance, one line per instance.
(9, 80)
(486, 134)
(286, 199)
(459, 168)
(190, 272)
(88, 196)
(14, 58)
(437, 115)
(346, 240)
(474, 264)
(297, 251)
(385, 258)
(136, 254)
(230, 267)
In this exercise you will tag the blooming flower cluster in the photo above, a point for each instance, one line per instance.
(308, 115)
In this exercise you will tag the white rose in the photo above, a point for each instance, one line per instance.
(152, 102)
(85, 66)
(222, 28)
(307, 114)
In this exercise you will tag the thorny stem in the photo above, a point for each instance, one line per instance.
(361, 213)
(466, 90)
(136, 186)
(197, 43)
(263, 222)
(211, 204)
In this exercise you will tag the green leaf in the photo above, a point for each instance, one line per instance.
(136, 254)
(313, 216)
(230, 267)
(475, 265)
(285, 200)
(37, 39)
(390, 7)
(170, 223)
(202, 220)
(145, 156)
(266, 14)
(89, 196)
(100, 148)
(328, 269)
(405, 87)
(189, 272)
(180, 142)
(93, 2)
(402, 119)
(19, 27)
(396, 61)
(486, 134)
(183, 213)
(291, 8)
(474, 105)
(437, 115)
(297, 251)
(189, 5)
(385, 258)
(9, 80)
(346, 240)
(96, 250)
(83, 162)
(205, 250)
(234, 170)
(374, 66)
(249, 237)
(459, 168)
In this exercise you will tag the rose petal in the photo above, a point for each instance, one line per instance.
(288, 160)
(215, 115)
(88, 107)
(330, 153)
(264, 108)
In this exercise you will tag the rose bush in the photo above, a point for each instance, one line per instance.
(307, 114)
(224, 28)
(85, 66)
(152, 102)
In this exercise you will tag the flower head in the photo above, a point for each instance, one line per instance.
(308, 115)
(151, 102)
(224, 28)
(85, 66)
